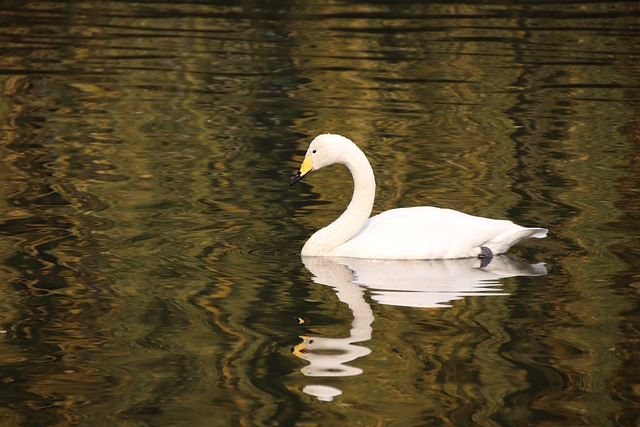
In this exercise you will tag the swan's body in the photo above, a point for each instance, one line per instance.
(422, 232)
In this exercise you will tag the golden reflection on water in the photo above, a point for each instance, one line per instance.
(150, 244)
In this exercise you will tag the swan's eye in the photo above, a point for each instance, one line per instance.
(314, 151)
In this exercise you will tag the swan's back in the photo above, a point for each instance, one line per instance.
(427, 232)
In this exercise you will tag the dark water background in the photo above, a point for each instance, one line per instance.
(150, 269)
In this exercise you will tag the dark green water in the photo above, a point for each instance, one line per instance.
(150, 270)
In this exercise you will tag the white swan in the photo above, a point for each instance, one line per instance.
(423, 232)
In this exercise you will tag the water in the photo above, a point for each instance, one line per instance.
(150, 244)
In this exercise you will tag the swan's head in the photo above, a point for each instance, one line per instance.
(325, 150)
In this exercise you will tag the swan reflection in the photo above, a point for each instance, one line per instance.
(433, 284)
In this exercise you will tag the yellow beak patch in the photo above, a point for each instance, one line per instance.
(305, 168)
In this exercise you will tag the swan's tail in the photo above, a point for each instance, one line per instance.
(502, 242)
(538, 233)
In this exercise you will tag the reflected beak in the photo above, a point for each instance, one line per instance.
(305, 168)
(300, 349)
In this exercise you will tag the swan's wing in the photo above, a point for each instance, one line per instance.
(432, 233)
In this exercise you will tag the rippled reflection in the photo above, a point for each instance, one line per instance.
(420, 284)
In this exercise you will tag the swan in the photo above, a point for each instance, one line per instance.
(422, 232)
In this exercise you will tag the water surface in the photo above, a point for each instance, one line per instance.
(150, 245)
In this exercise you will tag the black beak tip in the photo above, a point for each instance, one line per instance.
(295, 179)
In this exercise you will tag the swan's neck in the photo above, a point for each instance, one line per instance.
(323, 241)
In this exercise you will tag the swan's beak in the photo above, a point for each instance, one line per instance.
(305, 168)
